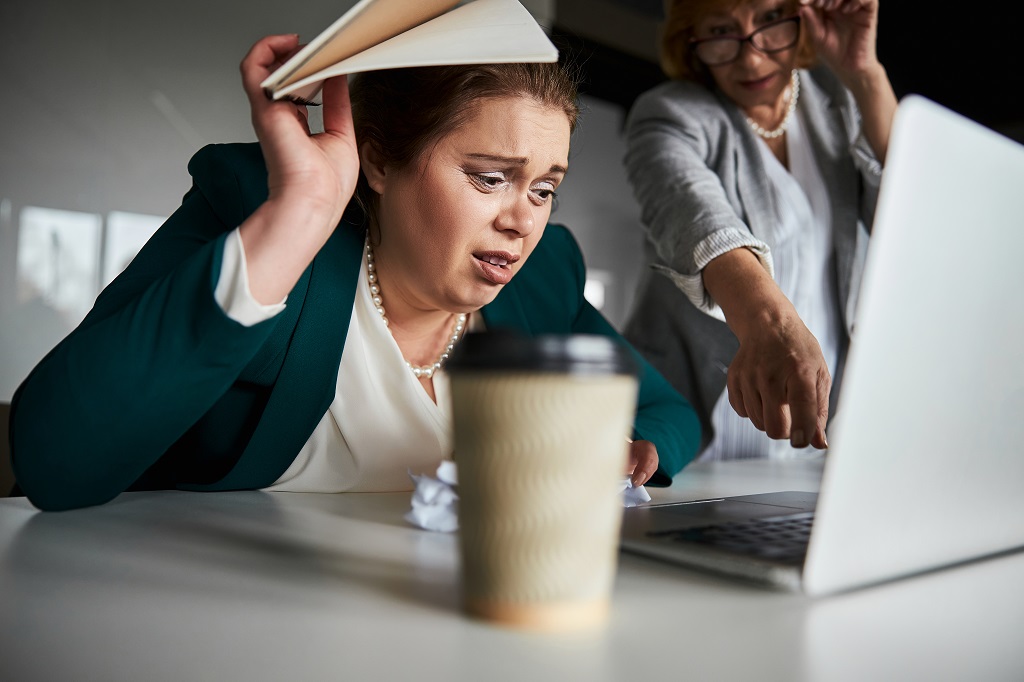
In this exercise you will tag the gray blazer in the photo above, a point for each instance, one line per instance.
(696, 169)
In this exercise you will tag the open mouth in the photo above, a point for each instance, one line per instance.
(496, 266)
(494, 260)
(499, 259)
(757, 83)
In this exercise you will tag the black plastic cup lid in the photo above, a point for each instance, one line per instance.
(500, 350)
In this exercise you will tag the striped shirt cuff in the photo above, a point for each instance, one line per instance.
(711, 247)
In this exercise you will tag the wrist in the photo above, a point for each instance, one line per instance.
(280, 239)
(317, 209)
(748, 296)
(320, 210)
(759, 312)
(867, 82)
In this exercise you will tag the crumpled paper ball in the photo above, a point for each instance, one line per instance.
(435, 504)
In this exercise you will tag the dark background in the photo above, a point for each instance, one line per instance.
(966, 60)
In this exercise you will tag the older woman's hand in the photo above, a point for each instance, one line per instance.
(780, 381)
(844, 34)
(779, 378)
(643, 461)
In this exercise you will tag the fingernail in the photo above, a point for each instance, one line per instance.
(798, 439)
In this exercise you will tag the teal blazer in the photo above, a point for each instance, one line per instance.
(159, 389)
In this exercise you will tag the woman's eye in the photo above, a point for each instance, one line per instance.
(543, 193)
(771, 16)
(489, 180)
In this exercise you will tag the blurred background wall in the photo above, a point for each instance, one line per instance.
(103, 103)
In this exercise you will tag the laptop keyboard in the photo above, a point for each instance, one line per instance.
(781, 539)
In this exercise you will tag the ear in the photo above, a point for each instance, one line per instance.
(373, 167)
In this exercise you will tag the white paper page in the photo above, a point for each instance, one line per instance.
(481, 32)
(366, 24)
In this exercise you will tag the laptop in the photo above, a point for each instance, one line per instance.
(926, 465)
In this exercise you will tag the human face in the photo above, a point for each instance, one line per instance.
(459, 221)
(755, 80)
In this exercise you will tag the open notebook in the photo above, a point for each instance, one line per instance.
(926, 467)
(388, 34)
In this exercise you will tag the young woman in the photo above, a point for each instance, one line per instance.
(278, 333)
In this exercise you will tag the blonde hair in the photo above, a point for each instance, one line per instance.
(681, 18)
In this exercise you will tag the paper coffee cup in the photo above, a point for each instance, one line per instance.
(540, 428)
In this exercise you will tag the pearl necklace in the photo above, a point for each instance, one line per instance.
(419, 371)
(772, 134)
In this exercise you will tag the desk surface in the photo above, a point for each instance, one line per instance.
(271, 586)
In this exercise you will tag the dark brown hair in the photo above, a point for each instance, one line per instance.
(681, 19)
(403, 111)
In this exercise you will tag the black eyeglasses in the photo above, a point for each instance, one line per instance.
(774, 37)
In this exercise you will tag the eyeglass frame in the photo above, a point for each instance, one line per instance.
(748, 39)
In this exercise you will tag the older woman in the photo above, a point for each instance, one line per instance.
(275, 333)
(757, 177)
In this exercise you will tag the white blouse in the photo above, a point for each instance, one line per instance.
(801, 246)
(381, 424)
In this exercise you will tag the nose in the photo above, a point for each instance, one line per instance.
(516, 215)
(749, 54)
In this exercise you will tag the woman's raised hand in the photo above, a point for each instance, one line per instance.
(318, 171)
(310, 177)
(844, 34)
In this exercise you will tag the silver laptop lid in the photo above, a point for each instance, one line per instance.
(927, 463)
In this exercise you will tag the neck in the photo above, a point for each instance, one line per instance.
(770, 122)
(422, 333)
(422, 339)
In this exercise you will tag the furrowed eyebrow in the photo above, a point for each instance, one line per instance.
(515, 161)
(511, 160)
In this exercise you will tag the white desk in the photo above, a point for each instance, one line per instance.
(255, 586)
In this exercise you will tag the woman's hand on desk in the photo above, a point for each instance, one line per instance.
(643, 461)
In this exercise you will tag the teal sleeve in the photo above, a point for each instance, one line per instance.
(663, 415)
(153, 355)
